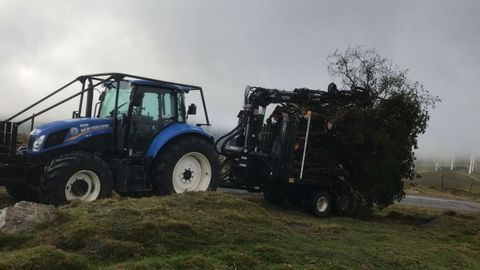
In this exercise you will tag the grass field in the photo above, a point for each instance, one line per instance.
(450, 180)
(222, 231)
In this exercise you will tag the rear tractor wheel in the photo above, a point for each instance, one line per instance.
(186, 164)
(77, 176)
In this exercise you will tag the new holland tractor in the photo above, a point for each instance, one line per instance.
(134, 140)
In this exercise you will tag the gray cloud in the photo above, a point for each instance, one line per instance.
(224, 45)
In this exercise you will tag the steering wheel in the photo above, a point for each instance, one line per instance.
(118, 107)
(164, 121)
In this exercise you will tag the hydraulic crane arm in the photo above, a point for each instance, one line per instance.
(263, 146)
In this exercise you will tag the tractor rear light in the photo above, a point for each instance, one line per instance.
(37, 144)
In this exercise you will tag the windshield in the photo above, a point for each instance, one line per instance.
(108, 104)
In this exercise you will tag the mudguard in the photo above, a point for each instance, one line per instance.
(172, 132)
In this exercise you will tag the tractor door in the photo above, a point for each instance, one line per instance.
(156, 110)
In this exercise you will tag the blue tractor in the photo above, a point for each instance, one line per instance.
(134, 141)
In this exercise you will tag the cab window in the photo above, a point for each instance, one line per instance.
(108, 104)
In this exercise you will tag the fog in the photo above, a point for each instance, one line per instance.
(225, 45)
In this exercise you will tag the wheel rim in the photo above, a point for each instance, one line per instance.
(322, 204)
(192, 173)
(84, 185)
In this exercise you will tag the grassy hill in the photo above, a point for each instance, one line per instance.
(222, 231)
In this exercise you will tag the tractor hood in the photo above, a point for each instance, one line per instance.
(82, 124)
(66, 132)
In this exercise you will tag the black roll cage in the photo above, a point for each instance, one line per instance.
(9, 128)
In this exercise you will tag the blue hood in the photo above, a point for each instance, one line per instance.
(75, 130)
(79, 123)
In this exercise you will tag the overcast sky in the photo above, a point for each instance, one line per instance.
(225, 45)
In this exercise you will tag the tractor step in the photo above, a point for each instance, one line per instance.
(131, 177)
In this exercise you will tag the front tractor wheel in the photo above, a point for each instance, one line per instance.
(83, 185)
(77, 176)
(187, 164)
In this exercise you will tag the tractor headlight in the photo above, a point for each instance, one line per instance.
(37, 144)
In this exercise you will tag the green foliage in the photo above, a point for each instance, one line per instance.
(377, 138)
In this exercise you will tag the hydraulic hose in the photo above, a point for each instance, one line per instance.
(227, 137)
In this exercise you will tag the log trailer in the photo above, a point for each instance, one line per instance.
(286, 155)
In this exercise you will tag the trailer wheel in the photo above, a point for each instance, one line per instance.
(343, 204)
(187, 164)
(77, 176)
(321, 204)
(22, 193)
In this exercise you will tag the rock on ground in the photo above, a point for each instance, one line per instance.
(25, 216)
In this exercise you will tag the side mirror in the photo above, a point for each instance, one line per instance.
(192, 109)
(137, 98)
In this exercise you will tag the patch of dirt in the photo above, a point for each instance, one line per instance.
(395, 217)
(312, 228)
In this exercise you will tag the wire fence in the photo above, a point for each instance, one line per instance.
(451, 179)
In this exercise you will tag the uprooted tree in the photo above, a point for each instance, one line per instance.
(378, 138)
(342, 144)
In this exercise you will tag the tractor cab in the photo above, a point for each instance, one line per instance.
(143, 109)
